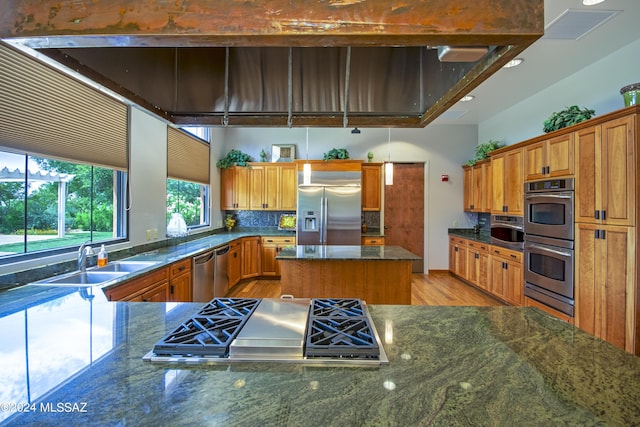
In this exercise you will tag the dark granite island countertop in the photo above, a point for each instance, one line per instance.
(77, 360)
(343, 253)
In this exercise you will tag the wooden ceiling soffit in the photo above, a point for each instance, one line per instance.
(100, 23)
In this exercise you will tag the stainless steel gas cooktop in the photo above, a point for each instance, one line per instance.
(310, 331)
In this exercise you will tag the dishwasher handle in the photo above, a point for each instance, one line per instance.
(224, 250)
(202, 259)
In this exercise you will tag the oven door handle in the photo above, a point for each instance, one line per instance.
(544, 248)
(562, 195)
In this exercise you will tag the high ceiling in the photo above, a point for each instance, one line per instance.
(551, 59)
(273, 63)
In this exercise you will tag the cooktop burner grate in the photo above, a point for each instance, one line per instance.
(340, 328)
(337, 307)
(210, 332)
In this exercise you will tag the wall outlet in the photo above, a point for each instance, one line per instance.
(154, 233)
(148, 234)
(455, 222)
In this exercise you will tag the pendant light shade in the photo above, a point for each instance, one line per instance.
(306, 170)
(388, 167)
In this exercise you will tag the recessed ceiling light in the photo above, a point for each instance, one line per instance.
(513, 63)
(591, 2)
(467, 98)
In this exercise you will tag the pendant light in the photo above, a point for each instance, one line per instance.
(306, 171)
(388, 167)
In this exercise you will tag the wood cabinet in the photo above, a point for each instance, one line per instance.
(507, 182)
(478, 187)
(605, 287)
(180, 281)
(260, 186)
(251, 257)
(372, 241)
(529, 302)
(550, 158)
(371, 186)
(272, 186)
(507, 275)
(271, 246)
(458, 256)
(152, 287)
(234, 188)
(605, 188)
(479, 264)
(235, 262)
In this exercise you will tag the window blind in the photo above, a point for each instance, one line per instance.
(187, 157)
(46, 113)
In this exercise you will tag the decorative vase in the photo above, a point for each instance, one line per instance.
(630, 94)
(370, 156)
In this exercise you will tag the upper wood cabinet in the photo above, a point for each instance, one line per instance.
(234, 188)
(478, 187)
(260, 186)
(371, 186)
(550, 158)
(605, 170)
(507, 183)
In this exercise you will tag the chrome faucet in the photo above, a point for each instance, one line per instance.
(83, 252)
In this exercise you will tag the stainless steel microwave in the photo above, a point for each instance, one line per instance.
(507, 231)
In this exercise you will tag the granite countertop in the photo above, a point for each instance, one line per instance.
(77, 360)
(468, 233)
(357, 253)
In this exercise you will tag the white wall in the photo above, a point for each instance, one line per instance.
(443, 147)
(596, 87)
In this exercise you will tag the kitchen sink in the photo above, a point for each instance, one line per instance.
(125, 266)
(86, 278)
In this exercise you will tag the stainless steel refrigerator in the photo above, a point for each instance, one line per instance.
(329, 209)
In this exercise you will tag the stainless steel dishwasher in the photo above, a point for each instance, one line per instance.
(203, 273)
(221, 275)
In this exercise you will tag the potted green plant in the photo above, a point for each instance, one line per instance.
(567, 117)
(483, 150)
(234, 158)
(336, 153)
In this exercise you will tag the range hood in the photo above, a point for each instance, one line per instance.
(281, 63)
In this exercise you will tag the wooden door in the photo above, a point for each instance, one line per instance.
(256, 188)
(487, 187)
(559, 158)
(514, 183)
(618, 171)
(467, 198)
(241, 187)
(180, 288)
(587, 193)
(534, 161)
(227, 190)
(371, 182)
(251, 257)
(404, 210)
(497, 184)
(288, 188)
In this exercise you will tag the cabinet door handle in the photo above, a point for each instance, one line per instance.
(476, 256)
(544, 168)
(171, 287)
(513, 256)
(597, 215)
(603, 234)
(604, 215)
(596, 234)
(504, 265)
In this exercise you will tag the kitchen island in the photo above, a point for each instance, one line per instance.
(375, 274)
(77, 359)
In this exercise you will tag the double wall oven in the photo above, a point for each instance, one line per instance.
(549, 243)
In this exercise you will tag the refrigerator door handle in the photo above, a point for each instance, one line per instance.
(321, 224)
(325, 219)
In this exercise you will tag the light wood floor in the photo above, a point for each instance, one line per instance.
(435, 288)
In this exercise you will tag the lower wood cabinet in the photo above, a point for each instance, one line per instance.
(372, 241)
(494, 269)
(507, 275)
(605, 288)
(180, 281)
(235, 262)
(271, 246)
(479, 264)
(251, 257)
(152, 287)
(458, 256)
